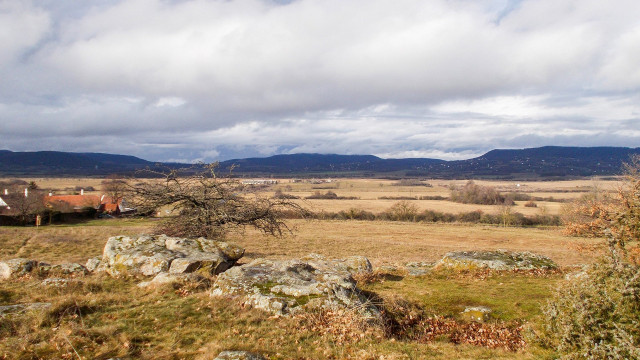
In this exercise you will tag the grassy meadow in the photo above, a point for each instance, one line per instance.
(98, 317)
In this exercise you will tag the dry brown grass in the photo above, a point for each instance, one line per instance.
(400, 242)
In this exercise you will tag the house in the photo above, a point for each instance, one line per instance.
(111, 206)
(73, 203)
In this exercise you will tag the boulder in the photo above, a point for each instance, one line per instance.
(93, 264)
(284, 287)
(419, 268)
(168, 278)
(495, 260)
(16, 267)
(349, 265)
(59, 282)
(150, 255)
(239, 355)
(19, 308)
(64, 269)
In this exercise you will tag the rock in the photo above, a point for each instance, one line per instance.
(16, 267)
(19, 308)
(150, 255)
(350, 265)
(168, 278)
(476, 313)
(419, 268)
(58, 282)
(239, 355)
(284, 287)
(67, 269)
(495, 260)
(92, 264)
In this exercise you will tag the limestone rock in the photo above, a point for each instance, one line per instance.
(284, 287)
(19, 308)
(349, 265)
(168, 278)
(66, 269)
(495, 260)
(59, 282)
(239, 355)
(93, 264)
(16, 267)
(419, 268)
(150, 255)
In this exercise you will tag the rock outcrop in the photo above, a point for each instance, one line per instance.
(16, 267)
(284, 287)
(239, 355)
(150, 255)
(495, 260)
(20, 308)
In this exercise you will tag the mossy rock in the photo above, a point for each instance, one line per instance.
(495, 260)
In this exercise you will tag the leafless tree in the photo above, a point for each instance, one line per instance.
(201, 203)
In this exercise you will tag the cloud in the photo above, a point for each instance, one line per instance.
(209, 79)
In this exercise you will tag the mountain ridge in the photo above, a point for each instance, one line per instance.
(542, 162)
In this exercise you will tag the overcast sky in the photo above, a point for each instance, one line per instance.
(218, 79)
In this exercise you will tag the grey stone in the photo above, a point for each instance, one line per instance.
(150, 255)
(168, 278)
(239, 355)
(92, 264)
(68, 269)
(495, 260)
(16, 267)
(58, 282)
(20, 308)
(284, 287)
(419, 268)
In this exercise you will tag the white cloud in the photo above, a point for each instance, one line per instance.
(450, 78)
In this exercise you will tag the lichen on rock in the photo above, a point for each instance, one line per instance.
(495, 260)
(150, 255)
(289, 286)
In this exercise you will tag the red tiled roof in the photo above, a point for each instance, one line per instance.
(109, 208)
(74, 200)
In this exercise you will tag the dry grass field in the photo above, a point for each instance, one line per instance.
(103, 317)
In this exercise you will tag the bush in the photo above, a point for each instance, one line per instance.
(471, 193)
(281, 195)
(596, 316)
(329, 195)
(530, 203)
(402, 211)
(411, 182)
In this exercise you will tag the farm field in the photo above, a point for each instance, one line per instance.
(103, 317)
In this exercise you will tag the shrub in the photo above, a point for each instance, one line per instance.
(530, 203)
(596, 315)
(281, 195)
(471, 193)
(329, 195)
(402, 211)
(411, 182)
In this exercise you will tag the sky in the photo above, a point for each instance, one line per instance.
(206, 80)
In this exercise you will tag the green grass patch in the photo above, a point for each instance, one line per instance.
(511, 297)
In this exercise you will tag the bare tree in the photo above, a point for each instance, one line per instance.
(203, 204)
(115, 187)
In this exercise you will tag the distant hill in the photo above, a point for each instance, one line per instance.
(547, 162)
(65, 163)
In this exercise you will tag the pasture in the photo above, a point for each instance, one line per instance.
(104, 317)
